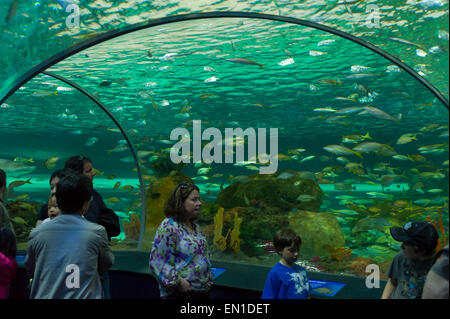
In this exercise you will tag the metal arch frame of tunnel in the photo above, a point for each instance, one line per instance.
(197, 16)
(130, 144)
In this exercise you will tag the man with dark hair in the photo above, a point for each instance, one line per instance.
(66, 254)
(4, 215)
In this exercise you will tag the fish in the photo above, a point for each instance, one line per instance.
(23, 160)
(330, 81)
(422, 201)
(430, 128)
(307, 158)
(208, 69)
(118, 149)
(380, 149)
(380, 195)
(435, 191)
(44, 93)
(406, 138)
(342, 159)
(345, 99)
(51, 162)
(18, 183)
(206, 95)
(203, 170)
(324, 109)
(22, 197)
(341, 150)
(325, 42)
(358, 76)
(421, 53)
(443, 35)
(400, 157)
(375, 112)
(349, 110)
(359, 68)
(355, 138)
(316, 53)
(17, 169)
(211, 79)
(403, 41)
(116, 185)
(169, 56)
(286, 62)
(11, 11)
(243, 61)
(127, 187)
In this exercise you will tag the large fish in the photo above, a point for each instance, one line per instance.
(341, 150)
(380, 149)
(243, 61)
(375, 112)
(14, 168)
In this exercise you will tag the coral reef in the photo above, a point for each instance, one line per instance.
(320, 232)
(340, 253)
(285, 190)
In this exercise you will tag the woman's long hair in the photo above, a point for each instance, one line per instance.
(174, 206)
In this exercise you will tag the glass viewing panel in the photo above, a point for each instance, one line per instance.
(361, 145)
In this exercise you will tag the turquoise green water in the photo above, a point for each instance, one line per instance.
(159, 79)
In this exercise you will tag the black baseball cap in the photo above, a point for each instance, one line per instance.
(418, 232)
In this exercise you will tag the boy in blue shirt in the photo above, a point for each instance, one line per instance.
(287, 280)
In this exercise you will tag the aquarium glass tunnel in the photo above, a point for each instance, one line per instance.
(338, 108)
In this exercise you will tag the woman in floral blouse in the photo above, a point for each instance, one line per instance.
(180, 257)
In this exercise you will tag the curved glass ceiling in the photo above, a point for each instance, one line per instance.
(414, 31)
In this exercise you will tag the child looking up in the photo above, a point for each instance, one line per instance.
(287, 280)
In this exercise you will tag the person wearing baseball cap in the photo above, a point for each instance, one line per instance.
(408, 270)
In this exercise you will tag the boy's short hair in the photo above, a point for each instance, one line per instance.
(286, 238)
(419, 233)
(72, 192)
(2, 178)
